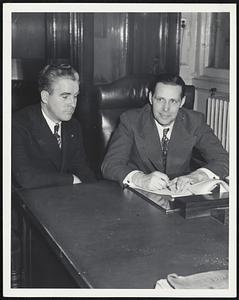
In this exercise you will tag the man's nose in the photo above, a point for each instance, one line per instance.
(73, 101)
(166, 106)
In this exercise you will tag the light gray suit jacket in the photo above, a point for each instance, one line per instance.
(135, 145)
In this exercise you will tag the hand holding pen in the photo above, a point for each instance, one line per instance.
(153, 181)
(180, 184)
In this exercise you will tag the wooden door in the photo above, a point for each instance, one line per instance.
(135, 43)
(153, 43)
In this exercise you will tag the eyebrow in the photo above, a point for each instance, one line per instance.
(66, 94)
(166, 99)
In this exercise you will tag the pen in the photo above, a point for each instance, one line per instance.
(170, 185)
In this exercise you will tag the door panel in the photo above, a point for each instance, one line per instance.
(110, 46)
(153, 43)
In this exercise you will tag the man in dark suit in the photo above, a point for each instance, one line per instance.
(47, 144)
(152, 146)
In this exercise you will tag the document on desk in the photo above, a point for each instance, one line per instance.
(163, 192)
(201, 188)
(167, 200)
(207, 280)
(164, 198)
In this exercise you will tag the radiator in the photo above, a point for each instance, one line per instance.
(218, 119)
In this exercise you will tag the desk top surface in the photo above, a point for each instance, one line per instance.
(112, 238)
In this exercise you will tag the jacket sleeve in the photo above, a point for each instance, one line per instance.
(27, 173)
(216, 157)
(115, 164)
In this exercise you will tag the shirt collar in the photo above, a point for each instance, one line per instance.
(160, 129)
(50, 123)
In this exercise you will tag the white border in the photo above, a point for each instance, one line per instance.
(8, 8)
(118, 7)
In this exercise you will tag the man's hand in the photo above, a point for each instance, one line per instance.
(153, 181)
(181, 183)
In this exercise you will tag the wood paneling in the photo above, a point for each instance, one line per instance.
(69, 39)
(173, 43)
(57, 37)
(153, 43)
(28, 43)
(87, 57)
(28, 35)
(110, 46)
(135, 43)
(118, 44)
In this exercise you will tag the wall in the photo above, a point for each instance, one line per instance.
(135, 43)
(188, 46)
(121, 43)
(110, 46)
(28, 42)
(25, 28)
(192, 61)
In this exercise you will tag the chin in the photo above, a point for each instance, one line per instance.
(164, 122)
(66, 118)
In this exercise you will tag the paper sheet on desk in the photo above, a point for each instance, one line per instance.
(201, 188)
(207, 280)
(165, 191)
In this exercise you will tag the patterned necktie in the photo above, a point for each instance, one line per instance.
(56, 134)
(165, 147)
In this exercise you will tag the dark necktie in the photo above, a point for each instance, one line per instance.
(165, 147)
(56, 134)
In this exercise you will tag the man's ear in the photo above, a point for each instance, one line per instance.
(44, 96)
(150, 97)
(182, 101)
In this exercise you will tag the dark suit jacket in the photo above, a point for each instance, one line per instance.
(36, 158)
(135, 145)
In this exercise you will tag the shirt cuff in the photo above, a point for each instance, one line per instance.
(128, 178)
(209, 173)
(76, 179)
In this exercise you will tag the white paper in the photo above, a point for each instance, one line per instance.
(200, 188)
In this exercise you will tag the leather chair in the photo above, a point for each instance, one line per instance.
(123, 94)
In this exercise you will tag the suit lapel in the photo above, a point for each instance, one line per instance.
(45, 138)
(66, 142)
(149, 145)
(150, 142)
(179, 145)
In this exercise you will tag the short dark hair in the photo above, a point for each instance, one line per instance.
(51, 72)
(167, 78)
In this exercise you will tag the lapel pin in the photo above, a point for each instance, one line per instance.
(72, 135)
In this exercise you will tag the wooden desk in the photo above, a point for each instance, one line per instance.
(108, 237)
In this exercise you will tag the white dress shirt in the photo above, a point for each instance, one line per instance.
(52, 124)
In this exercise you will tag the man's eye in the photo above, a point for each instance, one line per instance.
(65, 97)
(174, 101)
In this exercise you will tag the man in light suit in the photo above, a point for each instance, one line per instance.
(47, 144)
(152, 146)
